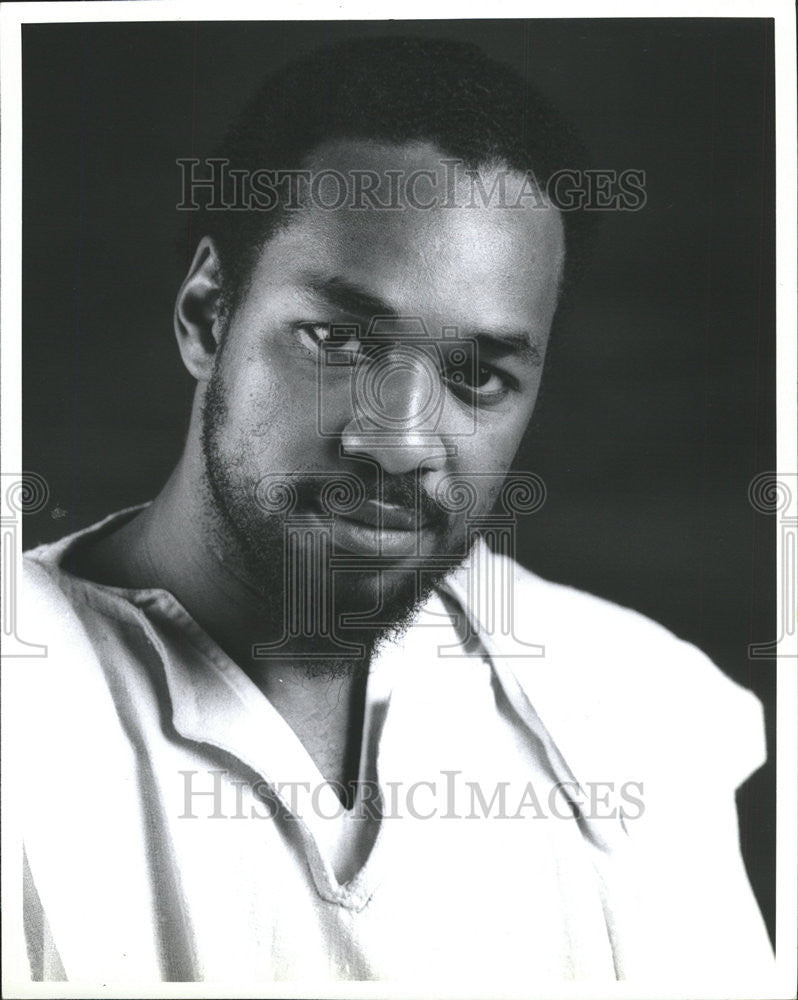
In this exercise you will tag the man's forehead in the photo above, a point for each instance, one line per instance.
(461, 255)
(417, 181)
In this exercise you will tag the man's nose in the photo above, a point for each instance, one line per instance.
(397, 405)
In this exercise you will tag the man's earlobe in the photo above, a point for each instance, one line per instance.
(197, 317)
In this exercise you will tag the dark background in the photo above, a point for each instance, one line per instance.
(658, 405)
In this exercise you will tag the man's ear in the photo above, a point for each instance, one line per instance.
(197, 318)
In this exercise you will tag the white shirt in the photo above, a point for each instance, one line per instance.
(136, 875)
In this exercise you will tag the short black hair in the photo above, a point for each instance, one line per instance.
(394, 90)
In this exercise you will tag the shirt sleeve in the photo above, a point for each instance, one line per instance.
(703, 921)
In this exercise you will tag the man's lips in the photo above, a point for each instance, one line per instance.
(382, 529)
(388, 516)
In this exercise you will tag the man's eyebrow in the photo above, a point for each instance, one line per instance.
(351, 298)
(347, 297)
(502, 342)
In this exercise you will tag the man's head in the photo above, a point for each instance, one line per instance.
(398, 347)
(392, 91)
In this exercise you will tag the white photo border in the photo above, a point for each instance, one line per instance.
(12, 17)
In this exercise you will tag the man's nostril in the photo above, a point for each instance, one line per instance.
(396, 453)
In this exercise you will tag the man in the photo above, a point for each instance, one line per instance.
(298, 721)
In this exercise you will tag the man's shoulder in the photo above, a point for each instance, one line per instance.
(549, 612)
(567, 606)
(47, 586)
(72, 618)
(576, 620)
(45, 589)
(601, 666)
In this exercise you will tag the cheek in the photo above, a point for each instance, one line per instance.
(485, 459)
(264, 405)
(496, 441)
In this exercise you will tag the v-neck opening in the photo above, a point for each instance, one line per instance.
(299, 771)
(262, 729)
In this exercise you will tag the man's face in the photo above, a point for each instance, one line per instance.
(393, 349)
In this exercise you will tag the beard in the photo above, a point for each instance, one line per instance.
(330, 621)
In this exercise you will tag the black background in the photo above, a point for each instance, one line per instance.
(658, 405)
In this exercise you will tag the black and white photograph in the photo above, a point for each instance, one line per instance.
(399, 501)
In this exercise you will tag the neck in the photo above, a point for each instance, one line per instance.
(176, 544)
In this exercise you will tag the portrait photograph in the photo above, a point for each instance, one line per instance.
(399, 501)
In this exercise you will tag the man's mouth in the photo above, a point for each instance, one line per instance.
(378, 528)
(388, 516)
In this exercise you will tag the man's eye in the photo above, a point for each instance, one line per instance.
(313, 335)
(481, 381)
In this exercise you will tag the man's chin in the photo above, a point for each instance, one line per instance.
(379, 594)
